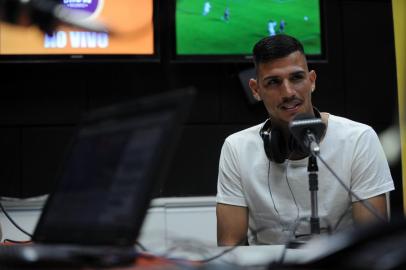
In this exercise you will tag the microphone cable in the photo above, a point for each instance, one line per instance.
(365, 203)
(231, 248)
(222, 253)
(14, 223)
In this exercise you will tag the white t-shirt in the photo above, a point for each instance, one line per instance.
(278, 196)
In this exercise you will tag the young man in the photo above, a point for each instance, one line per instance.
(263, 187)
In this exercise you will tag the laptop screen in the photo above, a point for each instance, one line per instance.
(108, 178)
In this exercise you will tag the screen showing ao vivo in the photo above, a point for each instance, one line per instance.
(130, 23)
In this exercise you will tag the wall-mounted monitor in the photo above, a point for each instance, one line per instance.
(226, 30)
(131, 35)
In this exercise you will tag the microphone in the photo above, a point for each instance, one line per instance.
(307, 130)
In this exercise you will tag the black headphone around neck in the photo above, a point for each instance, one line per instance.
(275, 146)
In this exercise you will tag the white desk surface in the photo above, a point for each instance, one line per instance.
(241, 255)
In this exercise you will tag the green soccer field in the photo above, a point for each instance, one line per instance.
(199, 34)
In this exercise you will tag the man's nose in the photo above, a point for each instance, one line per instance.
(288, 89)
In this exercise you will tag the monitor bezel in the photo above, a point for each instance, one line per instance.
(93, 58)
(240, 58)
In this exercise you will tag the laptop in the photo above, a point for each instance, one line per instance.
(117, 158)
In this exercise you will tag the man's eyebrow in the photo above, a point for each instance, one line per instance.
(299, 72)
(270, 77)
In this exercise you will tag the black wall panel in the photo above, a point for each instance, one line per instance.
(10, 156)
(207, 79)
(370, 64)
(43, 150)
(117, 82)
(194, 169)
(41, 95)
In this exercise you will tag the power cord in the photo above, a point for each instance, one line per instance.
(16, 242)
(14, 223)
(228, 250)
(141, 246)
(242, 242)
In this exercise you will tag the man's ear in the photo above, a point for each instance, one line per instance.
(254, 88)
(313, 76)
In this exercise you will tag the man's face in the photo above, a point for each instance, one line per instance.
(285, 86)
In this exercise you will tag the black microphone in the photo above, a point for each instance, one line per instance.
(307, 130)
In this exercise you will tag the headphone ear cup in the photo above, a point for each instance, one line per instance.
(264, 133)
(267, 144)
(274, 143)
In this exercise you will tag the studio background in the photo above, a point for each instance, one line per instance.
(41, 103)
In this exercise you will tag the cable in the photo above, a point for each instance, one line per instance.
(270, 192)
(282, 258)
(141, 246)
(297, 221)
(16, 242)
(291, 192)
(341, 218)
(365, 203)
(222, 253)
(13, 222)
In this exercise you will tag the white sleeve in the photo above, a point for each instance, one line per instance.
(229, 187)
(370, 174)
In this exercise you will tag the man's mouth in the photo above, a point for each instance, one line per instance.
(291, 105)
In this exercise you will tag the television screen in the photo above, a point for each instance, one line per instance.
(230, 28)
(130, 24)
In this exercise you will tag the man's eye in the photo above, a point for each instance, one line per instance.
(297, 77)
(272, 82)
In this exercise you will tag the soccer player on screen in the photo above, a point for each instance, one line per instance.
(282, 25)
(226, 16)
(206, 8)
(271, 27)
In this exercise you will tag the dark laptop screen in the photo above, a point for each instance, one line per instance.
(108, 178)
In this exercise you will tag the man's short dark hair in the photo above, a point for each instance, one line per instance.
(274, 47)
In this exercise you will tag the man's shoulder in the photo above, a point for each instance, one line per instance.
(346, 125)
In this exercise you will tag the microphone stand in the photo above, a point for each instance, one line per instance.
(313, 188)
(308, 130)
(312, 169)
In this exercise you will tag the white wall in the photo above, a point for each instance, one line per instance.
(169, 222)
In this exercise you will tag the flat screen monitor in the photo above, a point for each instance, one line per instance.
(226, 30)
(131, 36)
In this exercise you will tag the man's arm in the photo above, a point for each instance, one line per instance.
(232, 224)
(362, 215)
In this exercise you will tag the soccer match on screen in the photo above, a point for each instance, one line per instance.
(232, 27)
